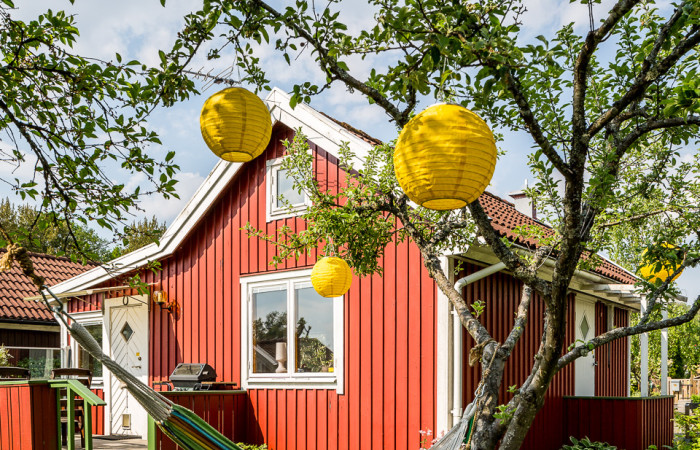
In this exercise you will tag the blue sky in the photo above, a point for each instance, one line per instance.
(138, 29)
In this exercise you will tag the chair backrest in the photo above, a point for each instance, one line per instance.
(14, 373)
(82, 375)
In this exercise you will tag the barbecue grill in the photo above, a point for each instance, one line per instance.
(189, 377)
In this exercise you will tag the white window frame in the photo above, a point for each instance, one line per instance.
(249, 380)
(87, 318)
(272, 211)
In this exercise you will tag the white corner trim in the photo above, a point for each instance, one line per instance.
(444, 354)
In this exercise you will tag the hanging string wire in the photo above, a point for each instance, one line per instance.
(441, 88)
(331, 245)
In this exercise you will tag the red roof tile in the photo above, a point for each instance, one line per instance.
(14, 286)
(505, 218)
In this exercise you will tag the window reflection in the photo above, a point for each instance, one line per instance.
(314, 331)
(269, 330)
(285, 188)
(85, 360)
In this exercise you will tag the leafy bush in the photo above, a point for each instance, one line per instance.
(4, 356)
(245, 446)
(695, 398)
(690, 437)
(586, 443)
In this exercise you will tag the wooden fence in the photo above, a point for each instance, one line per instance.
(631, 423)
(683, 389)
(227, 411)
(28, 416)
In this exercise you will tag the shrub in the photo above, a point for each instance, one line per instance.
(690, 437)
(4, 356)
(586, 443)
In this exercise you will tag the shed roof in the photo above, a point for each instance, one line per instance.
(15, 286)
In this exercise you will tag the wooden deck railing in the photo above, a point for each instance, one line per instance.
(30, 415)
(632, 423)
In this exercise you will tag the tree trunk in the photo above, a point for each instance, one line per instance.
(486, 430)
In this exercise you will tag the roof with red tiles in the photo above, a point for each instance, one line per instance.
(15, 286)
(506, 220)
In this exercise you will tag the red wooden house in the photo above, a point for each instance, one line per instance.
(368, 370)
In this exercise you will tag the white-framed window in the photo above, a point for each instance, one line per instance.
(292, 338)
(282, 199)
(94, 323)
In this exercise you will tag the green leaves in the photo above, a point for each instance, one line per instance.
(76, 115)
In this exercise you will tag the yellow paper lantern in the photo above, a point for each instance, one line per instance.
(445, 157)
(649, 272)
(331, 276)
(235, 124)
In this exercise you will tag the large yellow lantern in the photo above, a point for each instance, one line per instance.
(445, 157)
(331, 276)
(235, 124)
(667, 268)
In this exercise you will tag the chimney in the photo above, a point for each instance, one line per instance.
(523, 203)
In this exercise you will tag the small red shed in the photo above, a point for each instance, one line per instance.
(28, 329)
(369, 370)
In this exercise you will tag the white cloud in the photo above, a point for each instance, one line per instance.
(167, 210)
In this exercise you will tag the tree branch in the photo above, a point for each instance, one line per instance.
(621, 332)
(330, 65)
(512, 261)
(645, 78)
(593, 38)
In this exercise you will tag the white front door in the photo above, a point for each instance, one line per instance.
(128, 347)
(584, 367)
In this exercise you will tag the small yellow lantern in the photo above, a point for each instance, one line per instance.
(445, 157)
(235, 124)
(331, 276)
(649, 272)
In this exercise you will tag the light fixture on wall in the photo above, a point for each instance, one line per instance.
(160, 298)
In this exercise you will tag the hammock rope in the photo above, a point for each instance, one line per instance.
(184, 427)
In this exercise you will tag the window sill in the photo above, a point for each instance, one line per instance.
(292, 382)
(284, 213)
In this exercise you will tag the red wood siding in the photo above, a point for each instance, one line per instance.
(30, 338)
(27, 417)
(501, 294)
(611, 359)
(98, 414)
(227, 412)
(630, 423)
(390, 354)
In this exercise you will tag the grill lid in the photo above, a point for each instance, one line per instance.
(188, 374)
